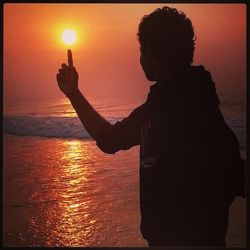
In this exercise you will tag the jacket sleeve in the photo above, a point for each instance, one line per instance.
(122, 135)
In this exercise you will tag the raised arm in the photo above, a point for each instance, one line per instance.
(67, 79)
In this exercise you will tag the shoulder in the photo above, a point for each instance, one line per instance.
(137, 113)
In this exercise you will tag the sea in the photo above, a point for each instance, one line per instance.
(60, 189)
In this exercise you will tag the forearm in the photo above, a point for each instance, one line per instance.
(90, 118)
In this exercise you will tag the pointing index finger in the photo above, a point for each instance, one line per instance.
(70, 58)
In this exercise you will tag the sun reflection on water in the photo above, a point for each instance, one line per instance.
(76, 222)
(69, 194)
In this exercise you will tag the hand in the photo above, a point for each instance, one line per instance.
(67, 78)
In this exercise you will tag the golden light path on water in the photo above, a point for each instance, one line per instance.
(75, 210)
(71, 198)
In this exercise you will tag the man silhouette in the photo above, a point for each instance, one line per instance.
(189, 158)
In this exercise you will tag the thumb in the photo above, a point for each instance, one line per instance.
(70, 58)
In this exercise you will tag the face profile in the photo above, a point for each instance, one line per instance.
(167, 43)
(146, 64)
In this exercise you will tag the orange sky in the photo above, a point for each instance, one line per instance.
(107, 52)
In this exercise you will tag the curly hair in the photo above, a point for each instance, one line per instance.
(170, 35)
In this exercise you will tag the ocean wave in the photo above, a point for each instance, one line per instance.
(71, 127)
(59, 127)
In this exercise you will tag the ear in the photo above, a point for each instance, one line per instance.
(149, 52)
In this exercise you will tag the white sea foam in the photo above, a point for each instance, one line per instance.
(60, 127)
(71, 127)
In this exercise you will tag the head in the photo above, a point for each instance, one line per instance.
(167, 41)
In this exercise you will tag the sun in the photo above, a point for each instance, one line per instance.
(69, 36)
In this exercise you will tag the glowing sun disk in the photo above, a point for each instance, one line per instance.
(69, 36)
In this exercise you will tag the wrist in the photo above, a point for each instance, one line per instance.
(73, 93)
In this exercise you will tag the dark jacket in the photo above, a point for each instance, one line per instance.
(189, 157)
